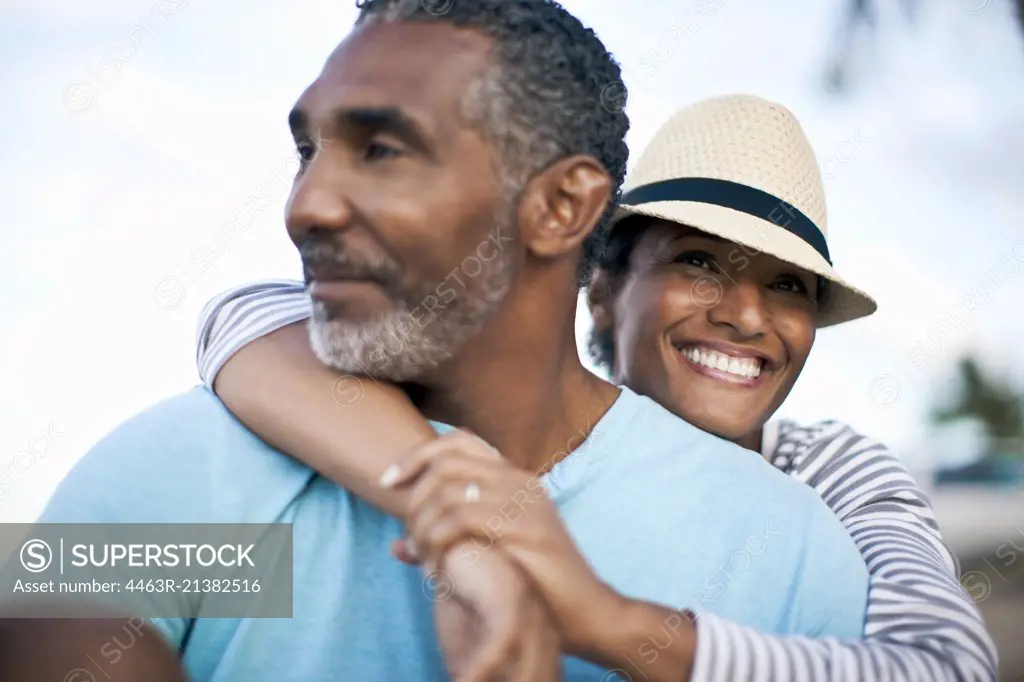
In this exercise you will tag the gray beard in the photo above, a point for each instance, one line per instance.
(421, 332)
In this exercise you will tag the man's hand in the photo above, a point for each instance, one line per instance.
(491, 626)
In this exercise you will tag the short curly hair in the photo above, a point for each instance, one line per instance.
(554, 91)
(615, 260)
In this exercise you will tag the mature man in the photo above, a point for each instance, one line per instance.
(425, 138)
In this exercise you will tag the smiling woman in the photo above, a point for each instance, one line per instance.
(721, 341)
(718, 271)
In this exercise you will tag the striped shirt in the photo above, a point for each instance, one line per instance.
(921, 626)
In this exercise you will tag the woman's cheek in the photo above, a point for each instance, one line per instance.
(797, 331)
(681, 296)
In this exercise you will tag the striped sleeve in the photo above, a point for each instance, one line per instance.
(920, 627)
(243, 314)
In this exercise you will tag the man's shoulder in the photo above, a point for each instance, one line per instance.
(723, 474)
(736, 487)
(196, 405)
(699, 495)
(184, 457)
(186, 432)
(665, 434)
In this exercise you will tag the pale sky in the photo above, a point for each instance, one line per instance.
(132, 130)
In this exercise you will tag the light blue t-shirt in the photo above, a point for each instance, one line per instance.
(663, 511)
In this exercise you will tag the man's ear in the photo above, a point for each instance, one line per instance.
(562, 204)
(600, 300)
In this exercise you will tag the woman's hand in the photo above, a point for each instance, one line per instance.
(462, 489)
(491, 624)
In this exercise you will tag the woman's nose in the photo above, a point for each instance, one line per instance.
(741, 307)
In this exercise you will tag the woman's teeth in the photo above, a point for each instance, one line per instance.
(749, 368)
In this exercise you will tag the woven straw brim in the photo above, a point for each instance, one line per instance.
(845, 302)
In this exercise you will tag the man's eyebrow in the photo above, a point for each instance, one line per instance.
(370, 120)
(388, 120)
(298, 120)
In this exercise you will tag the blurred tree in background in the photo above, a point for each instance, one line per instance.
(995, 405)
(861, 18)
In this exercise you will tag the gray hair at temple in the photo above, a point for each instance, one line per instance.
(554, 91)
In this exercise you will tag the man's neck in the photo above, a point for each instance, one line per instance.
(523, 390)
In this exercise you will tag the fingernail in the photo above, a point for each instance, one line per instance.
(410, 547)
(390, 475)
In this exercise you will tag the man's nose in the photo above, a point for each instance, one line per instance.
(742, 307)
(317, 202)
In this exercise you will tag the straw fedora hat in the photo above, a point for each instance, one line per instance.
(741, 168)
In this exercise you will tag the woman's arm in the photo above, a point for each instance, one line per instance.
(920, 623)
(253, 351)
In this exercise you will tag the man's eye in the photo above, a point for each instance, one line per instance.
(378, 150)
(306, 151)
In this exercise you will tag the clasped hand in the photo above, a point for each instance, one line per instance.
(464, 495)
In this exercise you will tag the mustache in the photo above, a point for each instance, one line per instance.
(328, 259)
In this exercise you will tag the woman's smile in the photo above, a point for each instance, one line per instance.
(742, 371)
(732, 364)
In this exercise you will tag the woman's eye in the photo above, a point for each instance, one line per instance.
(791, 284)
(697, 259)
